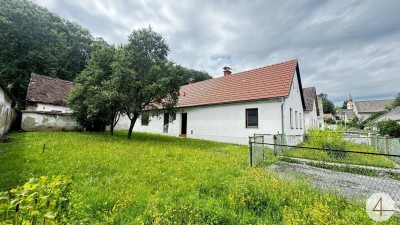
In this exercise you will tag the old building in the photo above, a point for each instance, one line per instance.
(312, 111)
(8, 113)
(46, 108)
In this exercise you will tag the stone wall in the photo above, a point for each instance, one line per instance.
(48, 121)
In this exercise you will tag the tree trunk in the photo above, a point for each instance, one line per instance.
(112, 128)
(133, 121)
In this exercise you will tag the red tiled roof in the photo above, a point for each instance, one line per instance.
(328, 115)
(48, 90)
(262, 83)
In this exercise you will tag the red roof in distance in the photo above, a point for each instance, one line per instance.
(263, 83)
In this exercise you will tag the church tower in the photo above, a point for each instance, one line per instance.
(350, 103)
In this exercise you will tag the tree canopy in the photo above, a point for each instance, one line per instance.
(32, 39)
(396, 101)
(327, 105)
(143, 77)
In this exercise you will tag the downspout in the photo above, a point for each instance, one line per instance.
(282, 116)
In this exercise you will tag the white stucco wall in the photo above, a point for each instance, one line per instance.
(35, 121)
(294, 102)
(51, 108)
(227, 122)
(7, 113)
(311, 118)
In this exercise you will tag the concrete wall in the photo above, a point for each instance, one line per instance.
(51, 108)
(7, 113)
(227, 122)
(42, 121)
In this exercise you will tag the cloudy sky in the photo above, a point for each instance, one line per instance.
(343, 46)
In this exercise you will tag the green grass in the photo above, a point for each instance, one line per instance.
(154, 179)
(335, 140)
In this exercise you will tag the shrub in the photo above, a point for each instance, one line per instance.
(389, 127)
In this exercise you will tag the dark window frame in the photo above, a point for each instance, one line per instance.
(247, 118)
(291, 118)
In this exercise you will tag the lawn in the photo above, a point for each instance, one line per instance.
(153, 179)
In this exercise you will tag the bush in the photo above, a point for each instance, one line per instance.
(389, 127)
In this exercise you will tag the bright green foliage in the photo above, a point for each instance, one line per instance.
(32, 39)
(38, 201)
(94, 99)
(355, 122)
(335, 140)
(143, 77)
(165, 180)
(389, 127)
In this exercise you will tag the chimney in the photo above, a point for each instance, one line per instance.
(227, 71)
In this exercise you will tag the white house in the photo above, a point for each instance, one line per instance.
(311, 112)
(393, 114)
(267, 100)
(8, 114)
(46, 108)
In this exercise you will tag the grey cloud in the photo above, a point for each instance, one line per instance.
(342, 46)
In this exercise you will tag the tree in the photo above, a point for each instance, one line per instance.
(144, 78)
(94, 99)
(389, 127)
(355, 122)
(344, 106)
(396, 101)
(327, 105)
(32, 39)
(191, 75)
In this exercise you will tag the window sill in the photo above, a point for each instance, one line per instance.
(253, 127)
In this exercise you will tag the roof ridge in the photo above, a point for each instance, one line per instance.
(52, 78)
(376, 100)
(236, 74)
(245, 71)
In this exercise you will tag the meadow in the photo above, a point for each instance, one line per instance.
(153, 179)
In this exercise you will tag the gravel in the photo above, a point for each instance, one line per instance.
(352, 186)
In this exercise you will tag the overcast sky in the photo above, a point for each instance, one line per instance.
(342, 46)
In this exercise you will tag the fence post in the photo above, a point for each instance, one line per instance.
(250, 152)
(386, 144)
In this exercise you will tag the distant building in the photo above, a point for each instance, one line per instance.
(46, 108)
(393, 114)
(312, 110)
(364, 109)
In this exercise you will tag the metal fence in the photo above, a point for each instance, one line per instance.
(371, 166)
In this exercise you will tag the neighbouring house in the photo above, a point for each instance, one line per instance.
(8, 113)
(46, 108)
(267, 100)
(348, 116)
(329, 116)
(393, 114)
(311, 112)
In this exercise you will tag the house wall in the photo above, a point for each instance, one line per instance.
(50, 108)
(7, 113)
(39, 121)
(294, 102)
(311, 119)
(224, 123)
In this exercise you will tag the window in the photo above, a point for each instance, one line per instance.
(251, 117)
(145, 119)
(291, 118)
(296, 119)
(301, 121)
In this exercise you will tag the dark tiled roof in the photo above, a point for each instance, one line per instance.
(372, 105)
(310, 96)
(350, 115)
(48, 90)
(262, 83)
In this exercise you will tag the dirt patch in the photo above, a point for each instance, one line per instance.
(352, 186)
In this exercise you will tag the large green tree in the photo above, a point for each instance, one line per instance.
(396, 101)
(94, 99)
(143, 76)
(191, 75)
(327, 105)
(32, 39)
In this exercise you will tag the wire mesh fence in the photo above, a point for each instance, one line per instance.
(355, 165)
